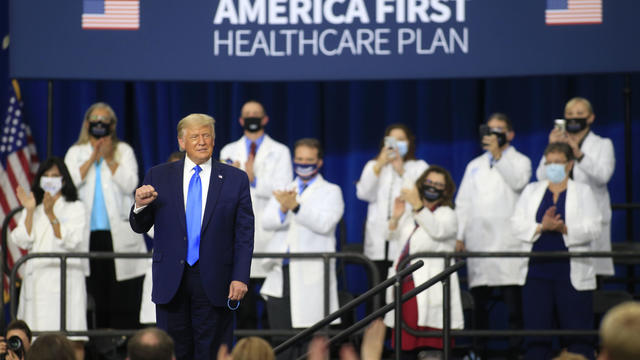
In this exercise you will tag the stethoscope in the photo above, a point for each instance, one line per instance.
(231, 307)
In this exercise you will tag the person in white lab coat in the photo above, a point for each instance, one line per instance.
(380, 183)
(429, 226)
(52, 221)
(268, 165)
(105, 172)
(488, 193)
(594, 166)
(557, 214)
(304, 218)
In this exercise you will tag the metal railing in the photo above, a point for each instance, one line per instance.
(447, 332)
(397, 306)
(373, 293)
(326, 258)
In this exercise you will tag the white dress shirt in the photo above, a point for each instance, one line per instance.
(205, 176)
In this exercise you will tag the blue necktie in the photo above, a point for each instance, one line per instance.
(194, 214)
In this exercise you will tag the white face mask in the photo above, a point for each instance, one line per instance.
(51, 184)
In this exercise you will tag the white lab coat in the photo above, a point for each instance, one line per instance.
(147, 307)
(484, 206)
(118, 191)
(312, 229)
(595, 170)
(436, 233)
(380, 192)
(272, 169)
(40, 293)
(582, 217)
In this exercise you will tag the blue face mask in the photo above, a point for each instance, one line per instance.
(305, 171)
(555, 172)
(403, 147)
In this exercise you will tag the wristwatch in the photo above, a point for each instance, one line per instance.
(54, 221)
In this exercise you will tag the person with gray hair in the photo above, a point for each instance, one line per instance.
(557, 214)
(150, 344)
(203, 241)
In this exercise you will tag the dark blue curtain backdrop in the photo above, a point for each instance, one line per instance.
(348, 117)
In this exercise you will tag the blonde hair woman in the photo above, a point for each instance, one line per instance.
(105, 172)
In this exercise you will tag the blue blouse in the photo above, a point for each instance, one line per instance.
(549, 268)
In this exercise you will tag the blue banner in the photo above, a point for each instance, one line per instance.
(256, 40)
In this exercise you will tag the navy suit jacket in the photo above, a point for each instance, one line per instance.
(226, 240)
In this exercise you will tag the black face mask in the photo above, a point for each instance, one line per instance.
(485, 130)
(430, 193)
(576, 125)
(98, 129)
(252, 124)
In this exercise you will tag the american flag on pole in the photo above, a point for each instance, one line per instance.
(18, 162)
(111, 14)
(572, 12)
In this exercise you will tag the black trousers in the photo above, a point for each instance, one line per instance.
(383, 268)
(197, 327)
(248, 316)
(117, 303)
(512, 297)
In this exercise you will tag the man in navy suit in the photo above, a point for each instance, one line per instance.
(203, 241)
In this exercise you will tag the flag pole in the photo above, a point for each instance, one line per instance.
(49, 118)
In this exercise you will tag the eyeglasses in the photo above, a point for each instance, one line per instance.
(437, 185)
(100, 118)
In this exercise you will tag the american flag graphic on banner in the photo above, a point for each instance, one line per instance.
(571, 12)
(111, 14)
(18, 162)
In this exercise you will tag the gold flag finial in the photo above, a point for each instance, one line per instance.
(16, 88)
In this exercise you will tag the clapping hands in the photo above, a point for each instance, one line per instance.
(287, 199)
(551, 221)
(27, 200)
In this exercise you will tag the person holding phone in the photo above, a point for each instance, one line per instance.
(380, 183)
(488, 193)
(594, 166)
